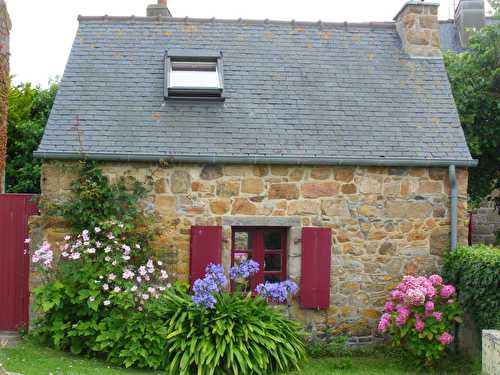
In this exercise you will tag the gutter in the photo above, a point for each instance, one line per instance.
(453, 206)
(283, 160)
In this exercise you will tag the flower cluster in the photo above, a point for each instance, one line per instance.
(44, 256)
(204, 289)
(244, 270)
(421, 305)
(120, 269)
(277, 292)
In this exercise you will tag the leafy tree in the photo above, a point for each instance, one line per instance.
(475, 80)
(29, 109)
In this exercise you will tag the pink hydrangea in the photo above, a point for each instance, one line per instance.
(397, 295)
(415, 297)
(437, 315)
(445, 338)
(429, 306)
(419, 325)
(447, 291)
(388, 307)
(384, 322)
(436, 279)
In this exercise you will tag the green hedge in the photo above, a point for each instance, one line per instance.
(475, 271)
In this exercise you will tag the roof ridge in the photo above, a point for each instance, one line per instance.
(319, 23)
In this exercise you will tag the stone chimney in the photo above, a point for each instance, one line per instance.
(418, 26)
(468, 15)
(160, 9)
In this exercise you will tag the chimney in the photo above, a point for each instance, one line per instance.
(469, 14)
(418, 26)
(160, 9)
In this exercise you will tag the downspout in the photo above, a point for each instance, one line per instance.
(453, 206)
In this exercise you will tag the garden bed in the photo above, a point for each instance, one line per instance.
(31, 359)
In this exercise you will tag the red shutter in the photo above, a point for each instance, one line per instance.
(206, 244)
(315, 272)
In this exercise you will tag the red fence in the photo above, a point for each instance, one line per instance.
(15, 210)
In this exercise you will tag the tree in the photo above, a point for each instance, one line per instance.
(475, 81)
(5, 26)
(29, 109)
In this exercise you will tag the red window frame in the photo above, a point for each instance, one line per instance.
(258, 251)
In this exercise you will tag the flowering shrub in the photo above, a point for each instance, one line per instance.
(419, 316)
(214, 331)
(100, 278)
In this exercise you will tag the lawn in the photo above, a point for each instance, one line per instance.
(30, 359)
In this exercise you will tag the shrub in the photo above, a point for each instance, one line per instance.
(475, 271)
(333, 346)
(217, 332)
(102, 287)
(419, 316)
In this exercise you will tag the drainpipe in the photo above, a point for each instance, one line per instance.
(453, 206)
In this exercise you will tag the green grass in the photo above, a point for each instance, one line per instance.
(31, 359)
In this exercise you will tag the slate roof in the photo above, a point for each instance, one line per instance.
(312, 93)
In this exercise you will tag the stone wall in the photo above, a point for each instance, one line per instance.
(486, 222)
(386, 222)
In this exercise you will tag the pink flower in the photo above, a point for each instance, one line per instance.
(384, 322)
(430, 292)
(414, 297)
(111, 276)
(445, 338)
(388, 307)
(436, 279)
(127, 274)
(437, 315)
(163, 275)
(107, 249)
(419, 325)
(447, 291)
(397, 295)
(75, 256)
(142, 270)
(450, 301)
(67, 238)
(110, 236)
(105, 286)
(145, 296)
(85, 235)
(429, 306)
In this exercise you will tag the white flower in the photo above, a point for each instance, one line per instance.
(127, 274)
(107, 259)
(160, 263)
(120, 225)
(125, 257)
(139, 279)
(134, 288)
(107, 303)
(64, 254)
(163, 274)
(142, 270)
(92, 299)
(76, 256)
(98, 244)
(137, 246)
(91, 250)
(117, 289)
(114, 263)
(111, 276)
(145, 296)
(105, 287)
(151, 290)
(169, 285)
(107, 249)
(67, 238)
(27, 240)
(97, 229)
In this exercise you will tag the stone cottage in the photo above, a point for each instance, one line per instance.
(330, 153)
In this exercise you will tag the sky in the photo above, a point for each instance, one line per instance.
(43, 30)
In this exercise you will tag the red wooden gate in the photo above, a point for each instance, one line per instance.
(15, 210)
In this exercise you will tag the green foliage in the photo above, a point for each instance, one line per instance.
(95, 199)
(475, 271)
(29, 109)
(475, 81)
(332, 346)
(242, 335)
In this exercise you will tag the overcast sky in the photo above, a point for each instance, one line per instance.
(43, 30)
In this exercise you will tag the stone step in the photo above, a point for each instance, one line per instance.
(9, 339)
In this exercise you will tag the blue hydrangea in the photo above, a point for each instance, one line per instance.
(277, 292)
(244, 270)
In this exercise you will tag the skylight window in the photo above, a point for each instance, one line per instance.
(193, 74)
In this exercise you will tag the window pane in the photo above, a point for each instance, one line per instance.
(272, 240)
(272, 278)
(242, 241)
(194, 74)
(272, 262)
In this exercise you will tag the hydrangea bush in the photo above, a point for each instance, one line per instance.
(420, 316)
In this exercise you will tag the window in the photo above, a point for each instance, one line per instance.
(195, 74)
(266, 246)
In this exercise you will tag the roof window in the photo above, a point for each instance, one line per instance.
(193, 75)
